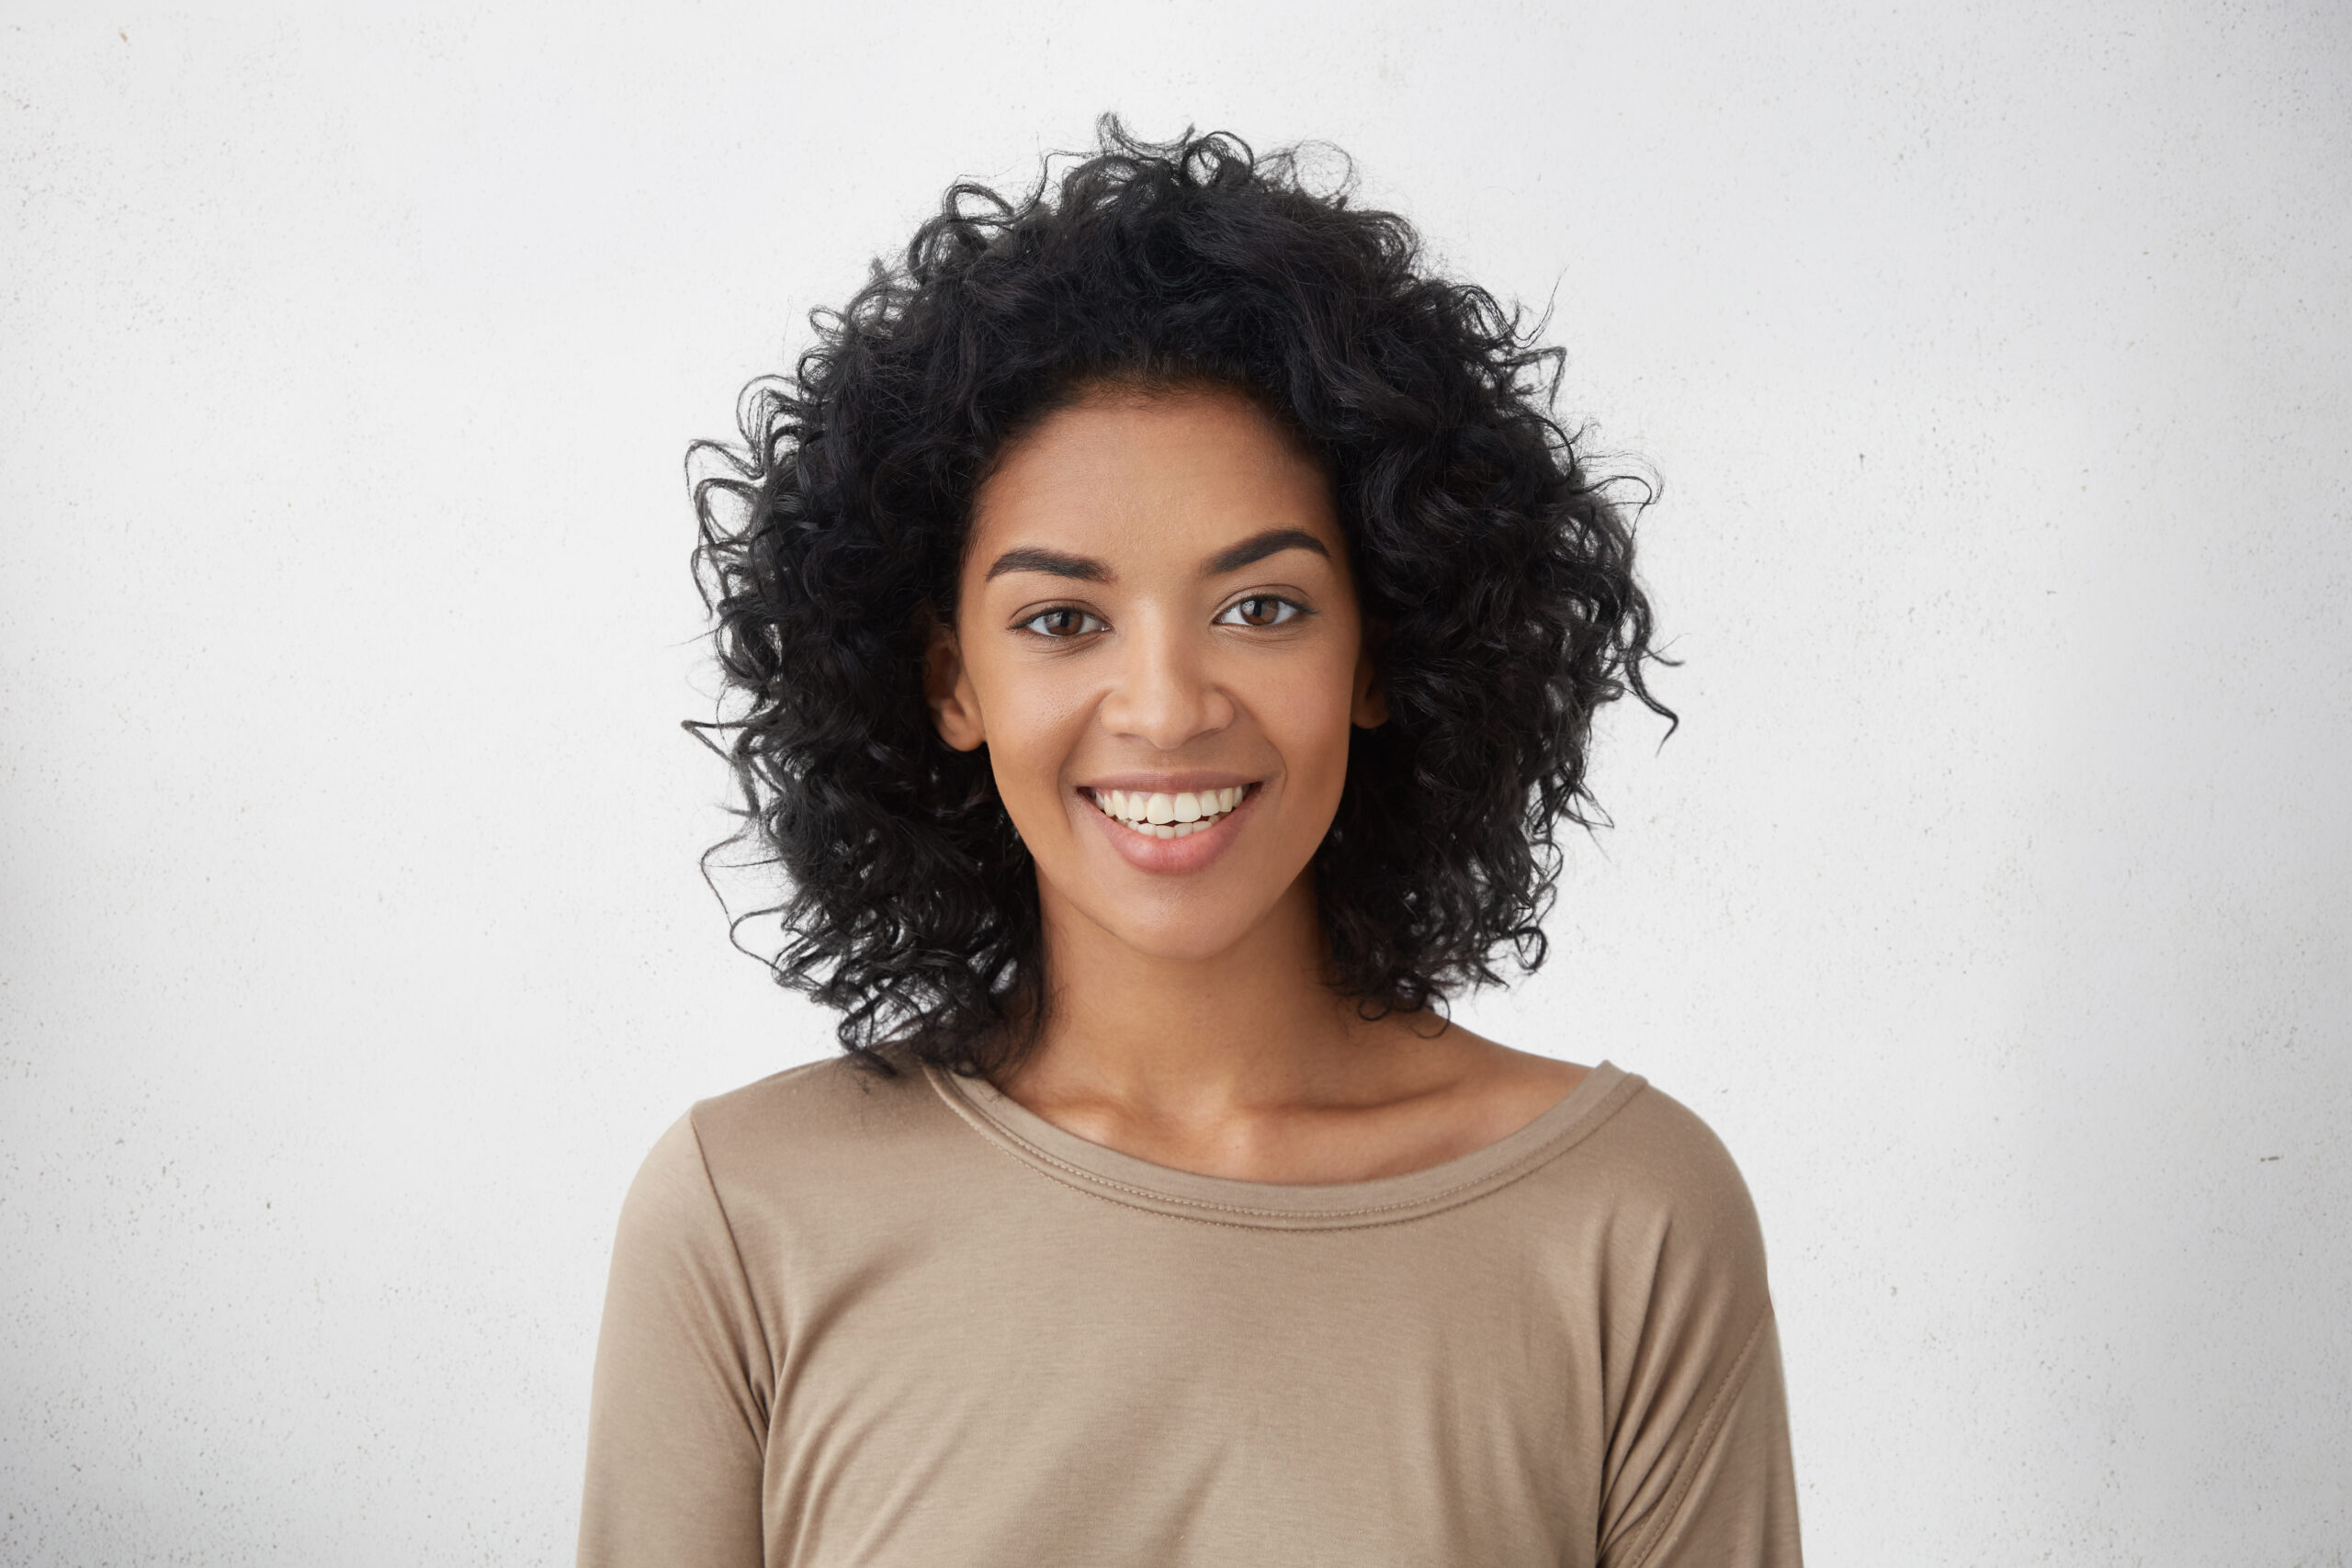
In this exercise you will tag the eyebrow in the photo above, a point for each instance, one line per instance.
(1257, 546)
(1053, 563)
(1086, 569)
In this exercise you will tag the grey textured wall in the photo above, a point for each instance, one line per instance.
(1995, 902)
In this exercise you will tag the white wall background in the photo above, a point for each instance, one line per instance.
(1995, 902)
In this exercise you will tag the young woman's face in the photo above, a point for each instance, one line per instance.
(1157, 638)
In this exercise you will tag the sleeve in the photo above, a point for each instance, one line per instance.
(1731, 1501)
(677, 1421)
(1698, 1469)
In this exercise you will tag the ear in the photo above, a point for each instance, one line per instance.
(1368, 709)
(947, 691)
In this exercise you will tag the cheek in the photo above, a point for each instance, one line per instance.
(1308, 721)
(1032, 727)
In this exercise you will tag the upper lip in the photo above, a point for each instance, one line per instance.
(1167, 784)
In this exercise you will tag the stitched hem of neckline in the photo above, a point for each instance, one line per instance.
(1388, 1200)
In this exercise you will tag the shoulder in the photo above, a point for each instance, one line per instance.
(827, 1139)
(1694, 1400)
(1664, 1161)
(816, 1108)
(1676, 1222)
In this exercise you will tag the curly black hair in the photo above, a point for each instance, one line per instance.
(1497, 571)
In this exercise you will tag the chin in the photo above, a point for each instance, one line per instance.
(1180, 937)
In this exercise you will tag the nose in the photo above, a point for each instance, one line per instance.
(1163, 690)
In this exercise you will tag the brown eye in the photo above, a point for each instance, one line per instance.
(1062, 621)
(1258, 610)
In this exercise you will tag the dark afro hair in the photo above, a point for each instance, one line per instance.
(1497, 574)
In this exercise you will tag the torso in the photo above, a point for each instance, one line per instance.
(907, 1321)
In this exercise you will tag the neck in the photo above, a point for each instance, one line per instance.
(1250, 1030)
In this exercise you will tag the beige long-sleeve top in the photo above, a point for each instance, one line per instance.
(857, 1320)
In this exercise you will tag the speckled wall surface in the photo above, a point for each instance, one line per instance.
(1994, 903)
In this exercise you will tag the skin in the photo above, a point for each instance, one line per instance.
(1099, 640)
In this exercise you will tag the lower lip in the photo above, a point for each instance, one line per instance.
(1166, 857)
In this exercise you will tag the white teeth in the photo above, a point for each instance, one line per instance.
(1165, 816)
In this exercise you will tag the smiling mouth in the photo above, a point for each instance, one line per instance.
(1167, 816)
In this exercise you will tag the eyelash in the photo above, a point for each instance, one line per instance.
(1295, 610)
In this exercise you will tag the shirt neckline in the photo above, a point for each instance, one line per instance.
(1388, 1200)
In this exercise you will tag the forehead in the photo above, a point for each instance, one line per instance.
(1124, 469)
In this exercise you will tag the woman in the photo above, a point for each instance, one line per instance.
(1169, 626)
